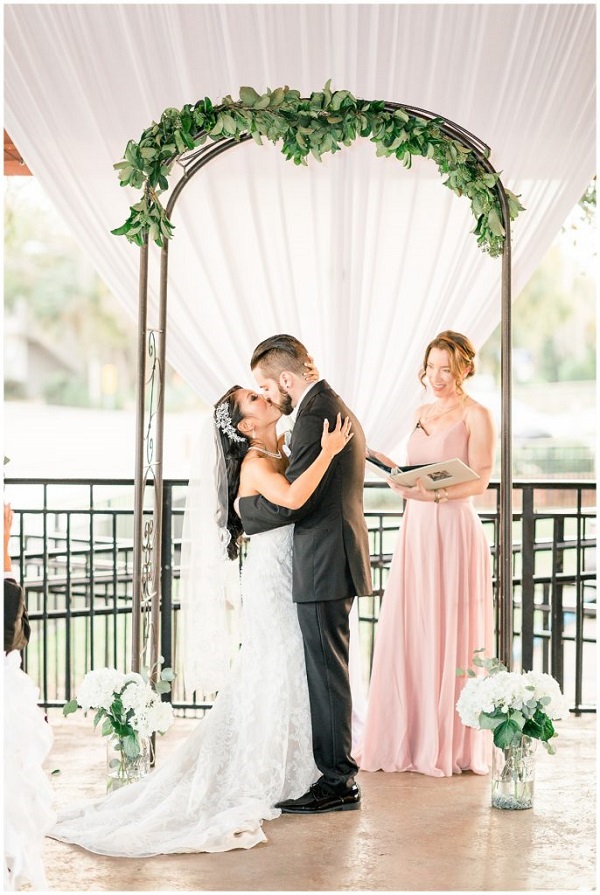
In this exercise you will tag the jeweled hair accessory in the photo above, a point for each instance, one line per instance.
(225, 424)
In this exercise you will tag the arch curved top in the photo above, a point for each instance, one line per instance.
(324, 122)
(197, 160)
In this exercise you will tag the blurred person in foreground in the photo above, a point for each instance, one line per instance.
(16, 620)
(28, 795)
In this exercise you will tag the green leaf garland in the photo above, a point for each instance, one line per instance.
(325, 122)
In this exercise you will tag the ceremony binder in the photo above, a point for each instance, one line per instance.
(434, 475)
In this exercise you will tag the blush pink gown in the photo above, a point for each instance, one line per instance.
(437, 609)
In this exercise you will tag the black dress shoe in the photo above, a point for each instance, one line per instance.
(320, 799)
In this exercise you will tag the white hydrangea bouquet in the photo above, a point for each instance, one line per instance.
(511, 704)
(128, 704)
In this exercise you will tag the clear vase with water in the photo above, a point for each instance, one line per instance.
(123, 768)
(513, 775)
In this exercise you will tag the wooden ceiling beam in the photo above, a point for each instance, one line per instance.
(14, 166)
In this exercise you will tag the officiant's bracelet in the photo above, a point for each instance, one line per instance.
(438, 497)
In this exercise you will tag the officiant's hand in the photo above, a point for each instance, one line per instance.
(417, 492)
(387, 461)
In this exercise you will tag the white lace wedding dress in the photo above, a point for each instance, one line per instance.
(253, 748)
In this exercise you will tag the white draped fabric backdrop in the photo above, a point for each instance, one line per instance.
(360, 258)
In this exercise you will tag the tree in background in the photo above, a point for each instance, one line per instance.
(56, 303)
(554, 317)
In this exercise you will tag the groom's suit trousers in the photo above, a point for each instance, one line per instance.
(325, 630)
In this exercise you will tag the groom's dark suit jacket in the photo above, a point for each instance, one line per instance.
(331, 546)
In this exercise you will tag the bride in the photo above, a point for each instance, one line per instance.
(254, 747)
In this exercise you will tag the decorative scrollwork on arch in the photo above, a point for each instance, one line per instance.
(153, 389)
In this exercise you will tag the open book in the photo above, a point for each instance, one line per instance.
(434, 475)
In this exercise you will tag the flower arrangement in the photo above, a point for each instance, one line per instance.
(129, 706)
(511, 704)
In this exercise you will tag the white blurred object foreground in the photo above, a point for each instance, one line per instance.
(28, 795)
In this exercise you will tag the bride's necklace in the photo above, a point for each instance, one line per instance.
(431, 419)
(275, 454)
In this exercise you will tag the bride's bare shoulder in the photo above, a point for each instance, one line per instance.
(254, 468)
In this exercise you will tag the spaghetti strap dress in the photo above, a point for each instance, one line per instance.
(437, 610)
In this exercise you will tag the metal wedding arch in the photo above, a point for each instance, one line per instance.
(149, 538)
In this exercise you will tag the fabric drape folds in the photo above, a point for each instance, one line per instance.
(361, 259)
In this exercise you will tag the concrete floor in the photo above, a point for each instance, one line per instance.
(413, 833)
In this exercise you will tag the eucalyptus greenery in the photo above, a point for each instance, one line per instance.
(511, 704)
(324, 122)
(129, 705)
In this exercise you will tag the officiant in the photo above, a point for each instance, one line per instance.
(437, 607)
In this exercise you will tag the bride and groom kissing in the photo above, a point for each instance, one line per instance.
(278, 738)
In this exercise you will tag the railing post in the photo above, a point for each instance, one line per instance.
(556, 596)
(527, 576)
(166, 604)
(496, 583)
(45, 594)
(579, 615)
(546, 625)
(68, 621)
(92, 581)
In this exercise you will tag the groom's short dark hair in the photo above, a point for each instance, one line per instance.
(279, 353)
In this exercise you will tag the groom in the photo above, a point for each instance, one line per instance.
(331, 562)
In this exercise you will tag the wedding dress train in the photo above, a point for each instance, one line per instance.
(253, 748)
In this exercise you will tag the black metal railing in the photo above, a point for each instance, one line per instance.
(72, 546)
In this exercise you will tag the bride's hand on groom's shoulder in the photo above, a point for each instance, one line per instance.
(335, 441)
(312, 373)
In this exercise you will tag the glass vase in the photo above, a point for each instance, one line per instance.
(121, 768)
(513, 775)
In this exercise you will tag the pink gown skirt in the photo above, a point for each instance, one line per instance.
(436, 611)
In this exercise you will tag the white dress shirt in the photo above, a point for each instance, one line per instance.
(294, 413)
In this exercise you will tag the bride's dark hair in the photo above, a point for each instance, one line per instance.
(227, 415)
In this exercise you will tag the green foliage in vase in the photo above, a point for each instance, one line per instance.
(511, 704)
(128, 705)
(324, 122)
